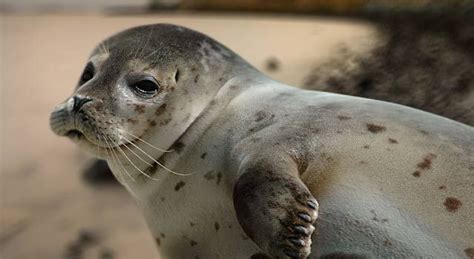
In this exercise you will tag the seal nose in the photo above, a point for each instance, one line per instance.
(79, 101)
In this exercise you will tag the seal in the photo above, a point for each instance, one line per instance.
(227, 163)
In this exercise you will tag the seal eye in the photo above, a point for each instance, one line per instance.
(88, 73)
(146, 88)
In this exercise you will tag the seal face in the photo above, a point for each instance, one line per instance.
(143, 79)
(227, 163)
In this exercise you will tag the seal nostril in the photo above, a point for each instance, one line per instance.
(79, 101)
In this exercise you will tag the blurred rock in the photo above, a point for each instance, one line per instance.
(76, 248)
(272, 64)
(106, 253)
(424, 60)
(98, 173)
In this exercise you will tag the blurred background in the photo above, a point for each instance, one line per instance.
(58, 202)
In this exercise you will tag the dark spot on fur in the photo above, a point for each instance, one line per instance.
(216, 226)
(162, 235)
(377, 219)
(219, 177)
(158, 241)
(375, 128)
(140, 108)
(178, 146)
(152, 123)
(192, 242)
(196, 78)
(186, 118)
(426, 163)
(192, 224)
(179, 185)
(424, 132)
(203, 155)
(260, 256)
(255, 140)
(165, 122)
(343, 118)
(469, 252)
(132, 121)
(209, 175)
(221, 79)
(260, 115)
(417, 174)
(366, 147)
(387, 243)
(162, 198)
(392, 141)
(452, 204)
(363, 162)
(160, 110)
(442, 187)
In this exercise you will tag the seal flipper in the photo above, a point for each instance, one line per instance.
(275, 209)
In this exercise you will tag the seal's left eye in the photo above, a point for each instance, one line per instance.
(146, 88)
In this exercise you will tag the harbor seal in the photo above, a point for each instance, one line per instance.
(227, 163)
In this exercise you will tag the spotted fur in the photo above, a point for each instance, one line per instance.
(255, 158)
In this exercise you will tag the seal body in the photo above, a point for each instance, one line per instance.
(249, 158)
(391, 181)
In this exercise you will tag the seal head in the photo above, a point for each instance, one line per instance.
(153, 76)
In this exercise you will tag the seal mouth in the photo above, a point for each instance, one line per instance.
(74, 134)
(77, 135)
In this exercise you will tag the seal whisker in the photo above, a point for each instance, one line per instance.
(146, 42)
(56, 123)
(111, 155)
(55, 116)
(116, 158)
(154, 160)
(139, 157)
(152, 146)
(56, 120)
(130, 161)
(101, 46)
(106, 48)
(153, 52)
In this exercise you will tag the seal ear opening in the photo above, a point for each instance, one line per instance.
(176, 76)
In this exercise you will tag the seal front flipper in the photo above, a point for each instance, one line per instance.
(275, 208)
